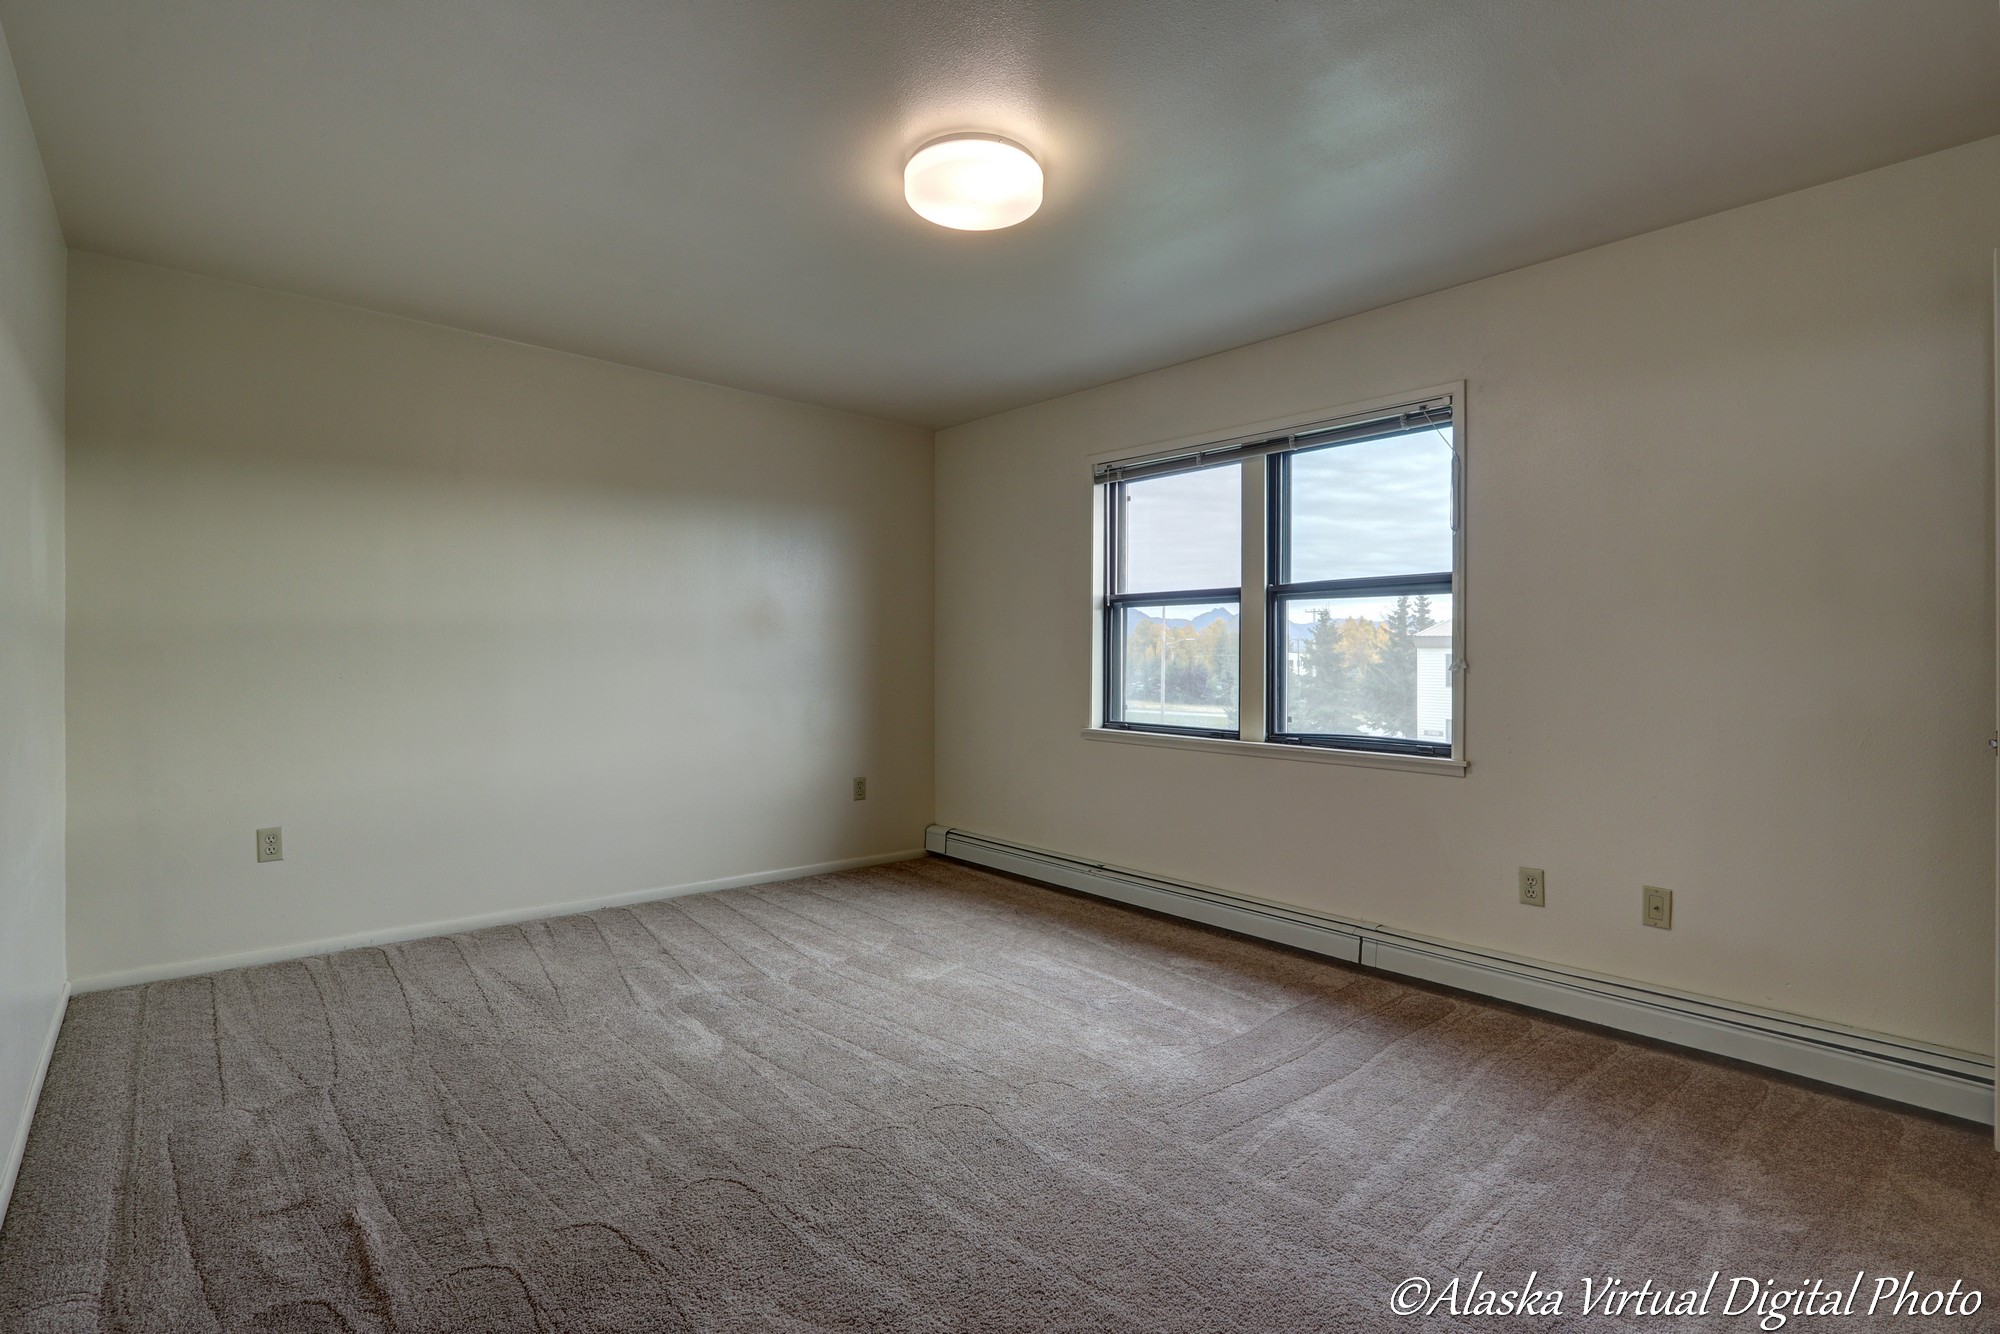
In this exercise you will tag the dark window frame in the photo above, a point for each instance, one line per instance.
(1113, 639)
(1440, 409)
(1280, 588)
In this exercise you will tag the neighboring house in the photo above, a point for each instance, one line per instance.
(1434, 682)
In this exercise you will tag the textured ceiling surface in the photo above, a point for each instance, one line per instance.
(712, 187)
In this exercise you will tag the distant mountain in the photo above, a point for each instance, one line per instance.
(1208, 618)
(1201, 622)
(1296, 630)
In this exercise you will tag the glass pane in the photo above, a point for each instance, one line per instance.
(1368, 666)
(1182, 531)
(1179, 666)
(1370, 508)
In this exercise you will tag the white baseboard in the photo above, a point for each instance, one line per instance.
(1942, 1079)
(417, 931)
(10, 1170)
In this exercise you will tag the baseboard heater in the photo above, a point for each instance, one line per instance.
(1919, 1074)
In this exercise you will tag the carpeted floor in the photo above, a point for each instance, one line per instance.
(921, 1097)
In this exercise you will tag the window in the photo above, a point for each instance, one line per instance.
(1351, 572)
(1361, 591)
(1175, 598)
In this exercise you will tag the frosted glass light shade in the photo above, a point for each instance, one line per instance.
(974, 183)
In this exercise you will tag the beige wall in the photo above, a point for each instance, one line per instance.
(1730, 614)
(484, 627)
(31, 617)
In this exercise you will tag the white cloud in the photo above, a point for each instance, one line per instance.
(1373, 508)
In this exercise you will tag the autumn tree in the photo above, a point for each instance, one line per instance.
(1355, 676)
(1200, 662)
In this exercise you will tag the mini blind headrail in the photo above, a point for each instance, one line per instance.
(1410, 417)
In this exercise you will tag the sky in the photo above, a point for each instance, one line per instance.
(1377, 507)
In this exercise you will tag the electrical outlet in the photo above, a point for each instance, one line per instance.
(1534, 887)
(271, 844)
(1659, 910)
(861, 789)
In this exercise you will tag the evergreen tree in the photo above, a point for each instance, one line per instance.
(1391, 688)
(1328, 684)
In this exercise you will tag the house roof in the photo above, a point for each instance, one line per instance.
(1435, 634)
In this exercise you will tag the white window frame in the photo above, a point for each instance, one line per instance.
(1252, 706)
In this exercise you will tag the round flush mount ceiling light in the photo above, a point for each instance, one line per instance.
(973, 182)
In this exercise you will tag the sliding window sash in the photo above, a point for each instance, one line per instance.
(1277, 628)
(1113, 628)
(1280, 588)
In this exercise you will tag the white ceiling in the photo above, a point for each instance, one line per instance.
(712, 187)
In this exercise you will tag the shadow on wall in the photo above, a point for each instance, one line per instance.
(484, 626)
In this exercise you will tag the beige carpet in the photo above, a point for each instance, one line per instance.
(920, 1098)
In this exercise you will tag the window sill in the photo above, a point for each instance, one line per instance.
(1415, 764)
